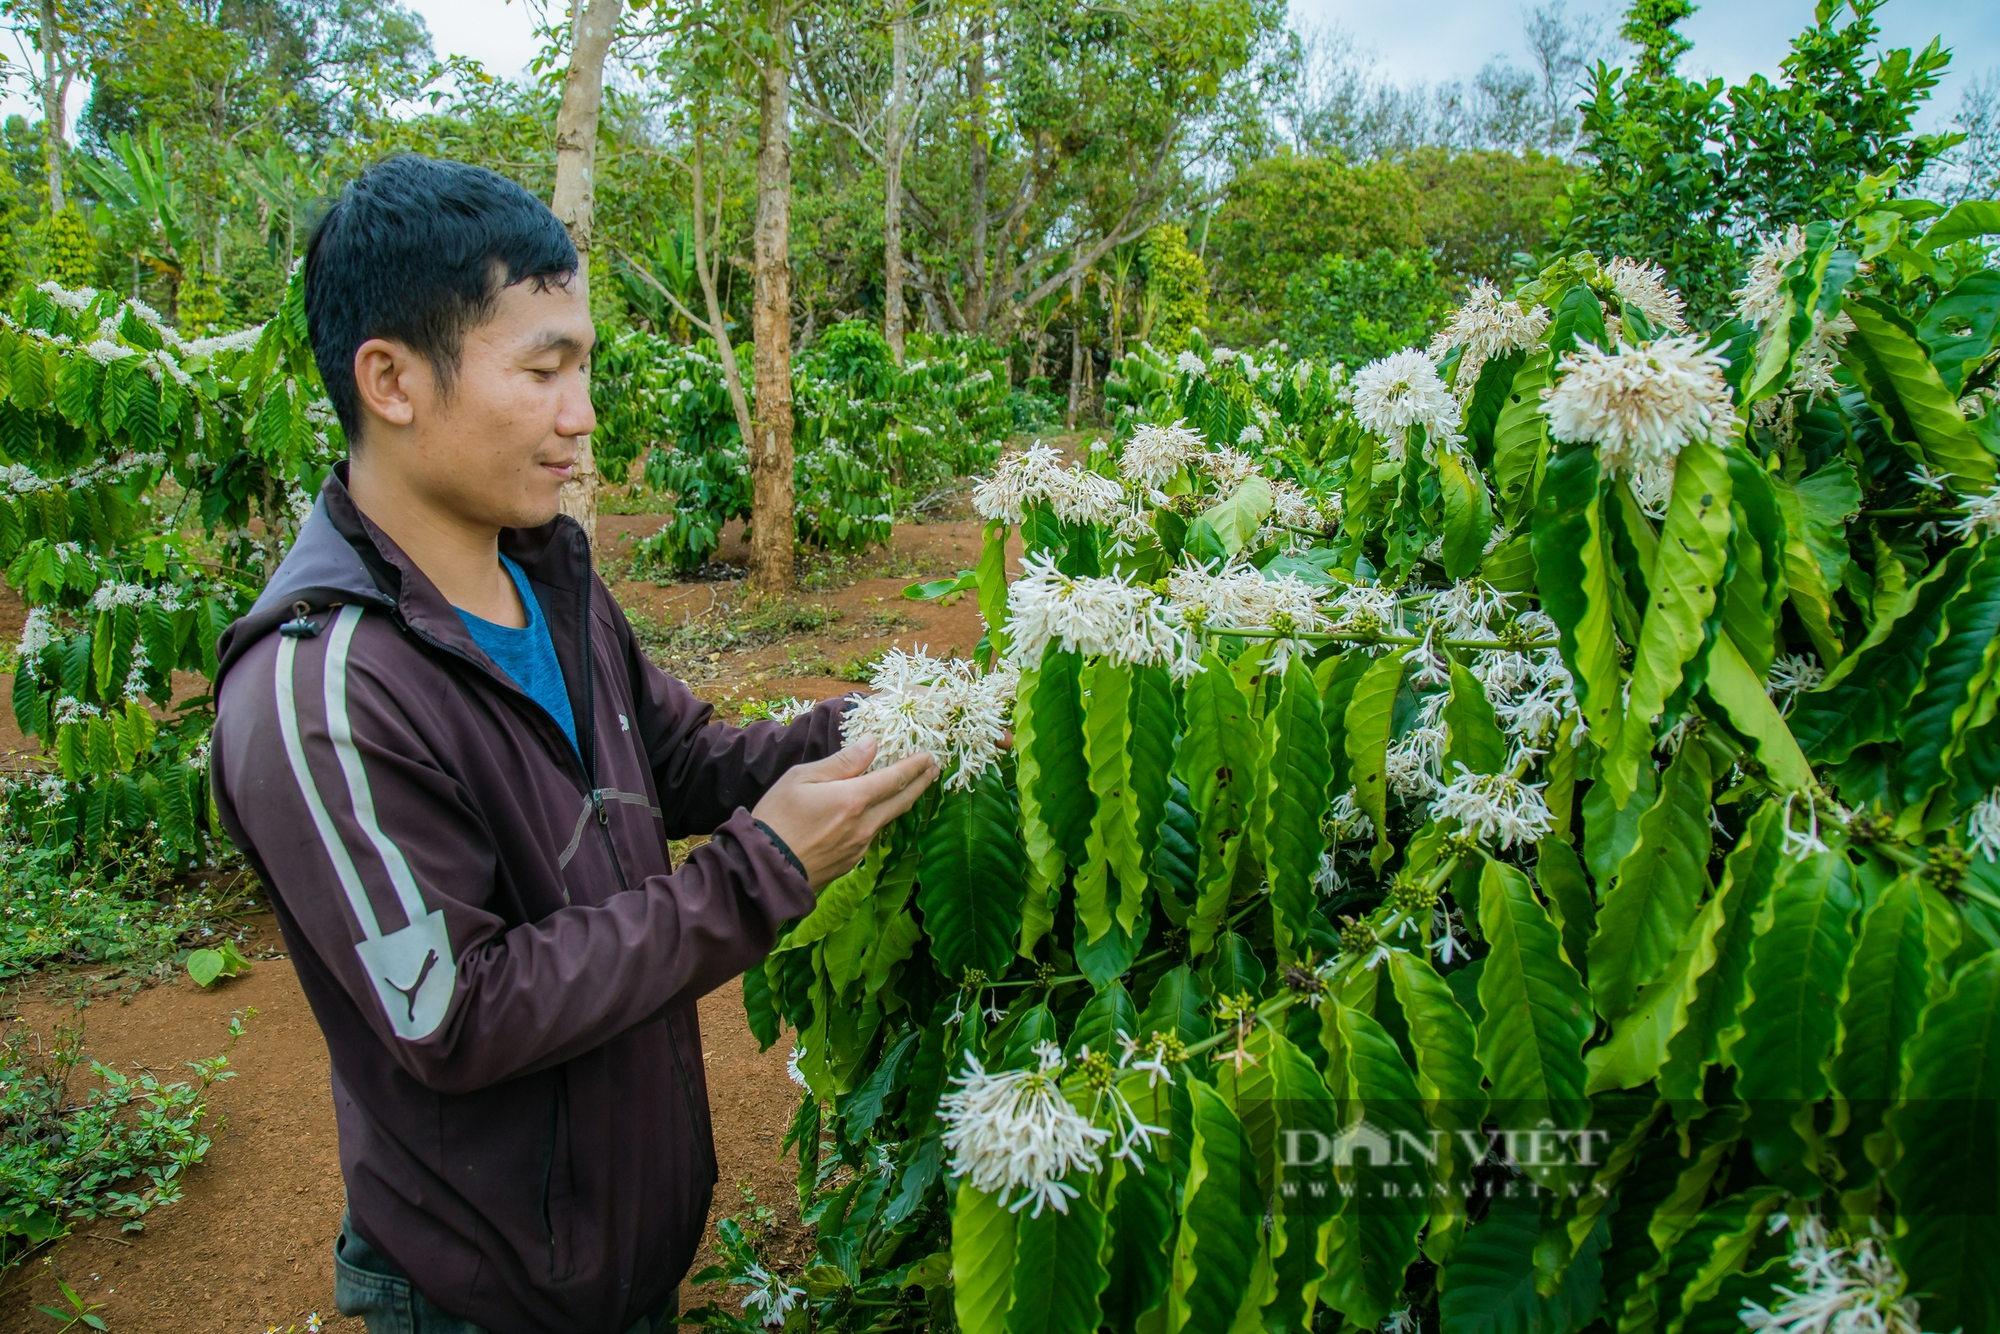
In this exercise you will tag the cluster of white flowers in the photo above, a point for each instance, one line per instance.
(1760, 302)
(1227, 468)
(771, 1298)
(942, 707)
(37, 633)
(1643, 287)
(1761, 299)
(1413, 766)
(1790, 676)
(49, 788)
(1190, 363)
(19, 480)
(1155, 453)
(1109, 617)
(1135, 1137)
(1366, 608)
(1640, 406)
(1036, 475)
(1403, 390)
(1495, 808)
(1981, 517)
(789, 710)
(1853, 1289)
(1015, 1131)
(1982, 826)
(1291, 506)
(113, 594)
(1237, 596)
(1487, 327)
(70, 709)
(1530, 690)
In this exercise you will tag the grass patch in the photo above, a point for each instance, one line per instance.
(118, 1151)
(131, 908)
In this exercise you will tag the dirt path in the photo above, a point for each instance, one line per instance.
(249, 1246)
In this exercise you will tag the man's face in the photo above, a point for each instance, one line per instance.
(497, 449)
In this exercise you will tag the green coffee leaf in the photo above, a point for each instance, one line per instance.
(1942, 1177)
(1659, 885)
(973, 872)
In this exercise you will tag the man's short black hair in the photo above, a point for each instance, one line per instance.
(417, 250)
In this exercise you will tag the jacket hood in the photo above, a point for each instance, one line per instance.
(341, 559)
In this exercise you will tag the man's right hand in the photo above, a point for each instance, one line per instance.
(827, 811)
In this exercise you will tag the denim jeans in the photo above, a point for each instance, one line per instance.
(367, 1285)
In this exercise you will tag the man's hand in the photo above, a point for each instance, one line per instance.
(828, 810)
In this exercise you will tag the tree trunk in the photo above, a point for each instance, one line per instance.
(771, 322)
(1075, 350)
(704, 268)
(575, 197)
(892, 203)
(55, 92)
(975, 97)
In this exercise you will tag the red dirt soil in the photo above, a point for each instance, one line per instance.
(249, 1247)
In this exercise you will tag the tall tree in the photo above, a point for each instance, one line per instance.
(770, 445)
(896, 140)
(59, 33)
(574, 199)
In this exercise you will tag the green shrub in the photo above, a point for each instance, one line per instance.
(120, 1150)
(1355, 310)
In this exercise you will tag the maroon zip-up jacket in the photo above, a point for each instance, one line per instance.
(486, 921)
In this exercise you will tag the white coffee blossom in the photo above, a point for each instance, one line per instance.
(37, 633)
(792, 1071)
(1486, 327)
(1155, 453)
(69, 709)
(1252, 434)
(1135, 1137)
(1188, 363)
(1036, 475)
(1981, 517)
(1109, 617)
(1227, 468)
(1366, 609)
(1643, 287)
(1413, 765)
(1761, 299)
(1238, 596)
(1640, 405)
(944, 708)
(1346, 822)
(789, 710)
(1791, 676)
(1495, 808)
(1852, 1289)
(1982, 826)
(1400, 391)
(1016, 1132)
(771, 1298)
(1291, 506)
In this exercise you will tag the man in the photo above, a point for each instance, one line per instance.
(440, 746)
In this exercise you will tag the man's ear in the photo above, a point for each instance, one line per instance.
(385, 376)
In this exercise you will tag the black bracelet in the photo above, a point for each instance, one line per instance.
(784, 848)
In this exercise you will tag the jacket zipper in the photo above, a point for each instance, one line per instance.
(618, 870)
(586, 752)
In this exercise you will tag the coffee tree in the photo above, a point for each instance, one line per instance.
(147, 484)
(1504, 840)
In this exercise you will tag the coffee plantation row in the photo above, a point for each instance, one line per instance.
(1500, 840)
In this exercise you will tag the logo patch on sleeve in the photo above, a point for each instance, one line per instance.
(414, 974)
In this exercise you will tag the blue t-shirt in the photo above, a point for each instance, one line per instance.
(527, 655)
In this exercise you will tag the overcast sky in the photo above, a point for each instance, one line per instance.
(1732, 38)
(1414, 39)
